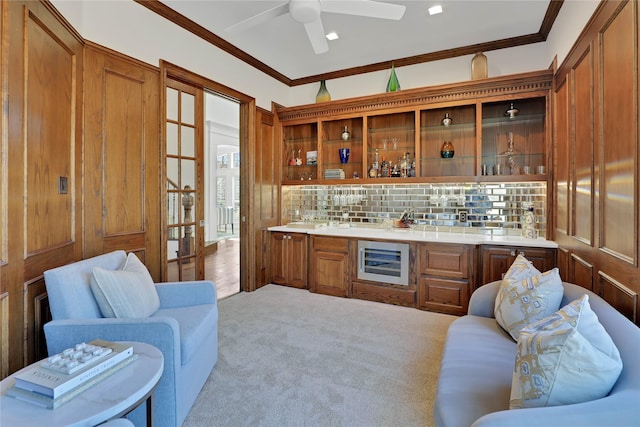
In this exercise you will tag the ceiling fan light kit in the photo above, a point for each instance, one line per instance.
(307, 12)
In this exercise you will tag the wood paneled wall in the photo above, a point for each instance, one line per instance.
(121, 156)
(596, 173)
(80, 164)
(42, 62)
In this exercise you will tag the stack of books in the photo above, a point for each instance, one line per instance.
(333, 174)
(59, 378)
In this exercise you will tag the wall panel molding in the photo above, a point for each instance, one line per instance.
(618, 295)
(581, 272)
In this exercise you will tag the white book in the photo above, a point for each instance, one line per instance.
(54, 384)
(51, 403)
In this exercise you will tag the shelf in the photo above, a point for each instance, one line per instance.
(479, 132)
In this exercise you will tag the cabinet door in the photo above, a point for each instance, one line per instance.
(515, 144)
(456, 125)
(278, 258)
(300, 152)
(297, 260)
(446, 260)
(342, 147)
(443, 295)
(497, 260)
(330, 273)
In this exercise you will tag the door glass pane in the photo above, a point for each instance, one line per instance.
(188, 142)
(188, 206)
(172, 272)
(188, 173)
(172, 139)
(173, 242)
(172, 174)
(188, 110)
(189, 270)
(173, 210)
(172, 104)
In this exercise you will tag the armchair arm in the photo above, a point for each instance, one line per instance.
(161, 332)
(483, 299)
(184, 294)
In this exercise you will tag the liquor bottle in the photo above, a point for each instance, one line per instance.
(385, 168)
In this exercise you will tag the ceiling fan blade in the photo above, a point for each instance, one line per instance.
(260, 18)
(369, 8)
(315, 32)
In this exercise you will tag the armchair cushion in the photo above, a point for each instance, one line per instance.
(194, 324)
(128, 292)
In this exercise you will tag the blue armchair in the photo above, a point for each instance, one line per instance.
(184, 329)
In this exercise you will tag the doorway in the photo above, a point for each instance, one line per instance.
(222, 193)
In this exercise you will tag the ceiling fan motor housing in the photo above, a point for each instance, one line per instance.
(305, 11)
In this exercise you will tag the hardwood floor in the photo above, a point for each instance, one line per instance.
(223, 267)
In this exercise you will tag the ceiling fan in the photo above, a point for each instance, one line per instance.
(307, 12)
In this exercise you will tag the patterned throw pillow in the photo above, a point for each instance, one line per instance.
(128, 292)
(563, 359)
(526, 295)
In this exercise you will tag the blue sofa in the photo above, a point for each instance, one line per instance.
(184, 329)
(474, 383)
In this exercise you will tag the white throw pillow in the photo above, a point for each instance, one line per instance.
(526, 295)
(128, 292)
(563, 359)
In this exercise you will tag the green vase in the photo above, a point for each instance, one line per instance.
(393, 84)
(323, 94)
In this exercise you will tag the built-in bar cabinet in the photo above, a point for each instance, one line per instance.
(489, 130)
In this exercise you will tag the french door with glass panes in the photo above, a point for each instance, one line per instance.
(184, 182)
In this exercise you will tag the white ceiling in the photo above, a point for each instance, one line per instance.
(282, 43)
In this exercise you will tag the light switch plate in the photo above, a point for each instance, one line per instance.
(63, 185)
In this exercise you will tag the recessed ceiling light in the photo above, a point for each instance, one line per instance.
(434, 10)
(332, 36)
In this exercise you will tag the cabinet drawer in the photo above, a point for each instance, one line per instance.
(330, 244)
(445, 260)
(443, 295)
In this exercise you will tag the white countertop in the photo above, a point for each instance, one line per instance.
(419, 236)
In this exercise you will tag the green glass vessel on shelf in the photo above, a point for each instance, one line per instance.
(393, 84)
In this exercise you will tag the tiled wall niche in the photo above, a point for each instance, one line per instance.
(490, 207)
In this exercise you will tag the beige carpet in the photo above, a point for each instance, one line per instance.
(289, 357)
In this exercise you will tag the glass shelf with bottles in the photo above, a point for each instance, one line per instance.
(300, 152)
(513, 138)
(342, 147)
(391, 145)
(448, 141)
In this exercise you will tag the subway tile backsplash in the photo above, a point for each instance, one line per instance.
(495, 207)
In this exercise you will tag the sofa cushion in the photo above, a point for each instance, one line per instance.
(195, 324)
(563, 359)
(526, 295)
(128, 292)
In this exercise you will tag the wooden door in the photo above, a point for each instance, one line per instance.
(184, 181)
(264, 205)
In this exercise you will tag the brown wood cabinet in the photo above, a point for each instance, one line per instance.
(329, 266)
(412, 123)
(496, 260)
(289, 259)
(445, 277)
